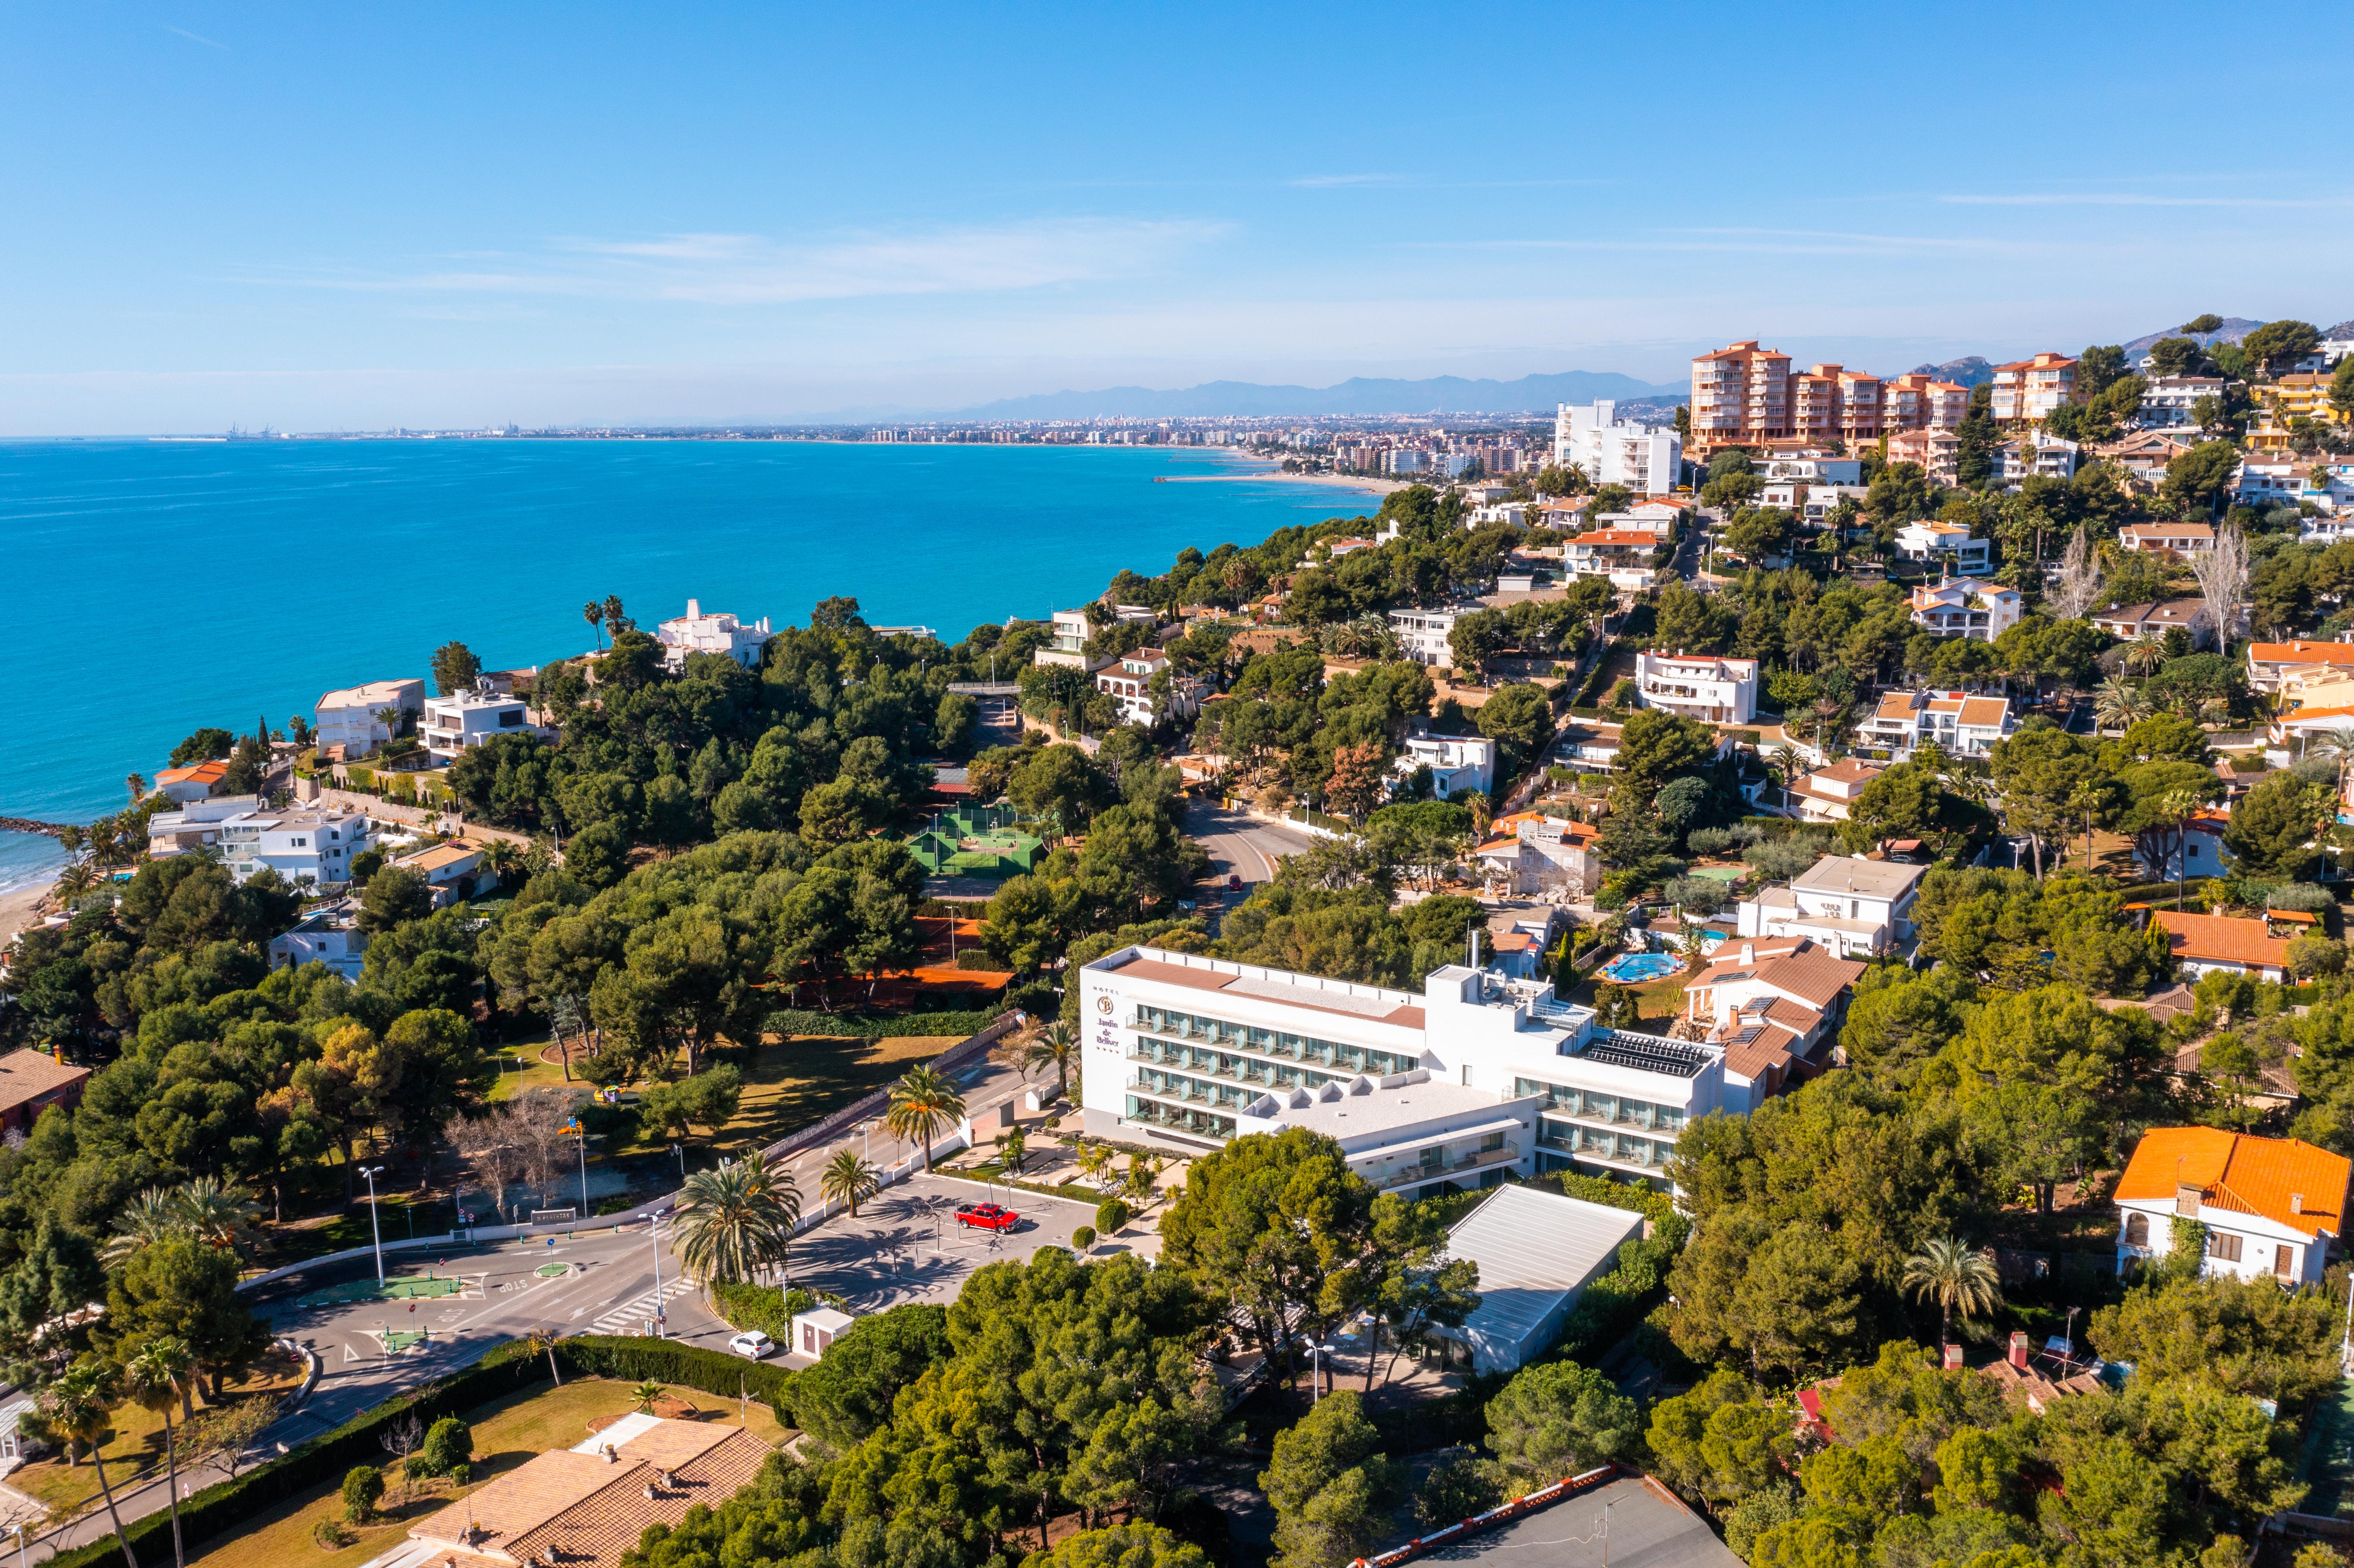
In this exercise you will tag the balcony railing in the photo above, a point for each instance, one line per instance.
(1478, 1160)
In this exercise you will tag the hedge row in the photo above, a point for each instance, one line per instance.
(762, 1306)
(233, 1505)
(875, 1026)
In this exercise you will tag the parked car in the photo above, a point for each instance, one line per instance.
(986, 1216)
(752, 1344)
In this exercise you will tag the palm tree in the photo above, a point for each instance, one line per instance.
(137, 786)
(540, 1342)
(923, 1103)
(217, 1215)
(157, 1380)
(74, 1410)
(2144, 655)
(645, 1393)
(733, 1220)
(2118, 705)
(1953, 1275)
(594, 614)
(849, 1181)
(154, 1215)
(1057, 1043)
(1789, 767)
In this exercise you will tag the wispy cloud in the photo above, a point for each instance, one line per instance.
(1754, 241)
(2136, 198)
(1324, 181)
(199, 38)
(753, 269)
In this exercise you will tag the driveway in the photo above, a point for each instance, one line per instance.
(906, 1245)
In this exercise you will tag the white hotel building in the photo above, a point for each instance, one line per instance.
(1427, 1092)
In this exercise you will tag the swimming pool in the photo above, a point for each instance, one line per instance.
(1630, 969)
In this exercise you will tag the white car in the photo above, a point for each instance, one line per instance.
(752, 1344)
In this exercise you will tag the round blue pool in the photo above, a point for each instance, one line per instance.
(1630, 969)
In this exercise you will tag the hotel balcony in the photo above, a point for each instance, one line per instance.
(1450, 1169)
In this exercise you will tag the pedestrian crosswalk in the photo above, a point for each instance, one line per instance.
(631, 1316)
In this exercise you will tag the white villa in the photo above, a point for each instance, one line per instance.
(348, 719)
(1698, 687)
(695, 633)
(466, 719)
(1966, 607)
(1855, 907)
(1456, 761)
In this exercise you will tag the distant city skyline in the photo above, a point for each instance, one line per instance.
(437, 217)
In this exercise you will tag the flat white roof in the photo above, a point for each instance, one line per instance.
(636, 1424)
(1361, 1107)
(1533, 1248)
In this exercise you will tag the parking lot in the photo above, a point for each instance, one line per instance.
(906, 1245)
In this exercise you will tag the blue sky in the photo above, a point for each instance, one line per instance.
(349, 216)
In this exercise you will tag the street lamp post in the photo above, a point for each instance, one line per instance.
(1316, 1352)
(375, 1230)
(653, 1232)
(680, 1149)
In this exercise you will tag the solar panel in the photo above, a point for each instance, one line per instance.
(1647, 1054)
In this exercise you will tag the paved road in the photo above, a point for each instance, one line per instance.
(907, 1247)
(1240, 844)
(607, 1288)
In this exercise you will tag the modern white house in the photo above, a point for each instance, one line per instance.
(1947, 542)
(1427, 1092)
(455, 871)
(192, 782)
(2180, 538)
(1855, 907)
(465, 719)
(2165, 400)
(347, 718)
(1813, 468)
(1966, 607)
(196, 825)
(1961, 724)
(1698, 687)
(1456, 761)
(307, 845)
(1537, 1252)
(695, 633)
(1067, 647)
(331, 936)
(2269, 1208)
(1646, 459)
(1621, 555)
(1422, 634)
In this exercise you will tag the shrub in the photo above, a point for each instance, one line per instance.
(448, 1446)
(1083, 1238)
(1112, 1216)
(1458, 1486)
(976, 959)
(687, 1366)
(1622, 696)
(363, 1490)
(331, 1534)
(763, 1307)
(2302, 896)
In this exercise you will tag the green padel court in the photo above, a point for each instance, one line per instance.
(412, 1287)
(2327, 1463)
(976, 841)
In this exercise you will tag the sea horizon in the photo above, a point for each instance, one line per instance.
(176, 584)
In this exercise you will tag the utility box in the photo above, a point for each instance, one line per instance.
(817, 1328)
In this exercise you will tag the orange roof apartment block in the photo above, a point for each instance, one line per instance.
(2270, 1206)
(2270, 664)
(2027, 389)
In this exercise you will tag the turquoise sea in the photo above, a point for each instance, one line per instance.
(156, 587)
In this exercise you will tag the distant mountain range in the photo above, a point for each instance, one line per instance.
(1358, 395)
(1966, 372)
(2233, 329)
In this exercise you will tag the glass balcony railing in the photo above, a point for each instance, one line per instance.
(1447, 1170)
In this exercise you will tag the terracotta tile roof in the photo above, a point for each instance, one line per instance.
(2220, 939)
(582, 1509)
(2241, 1174)
(1763, 1048)
(1899, 706)
(1848, 770)
(193, 773)
(26, 1076)
(1813, 976)
(2282, 653)
(1984, 713)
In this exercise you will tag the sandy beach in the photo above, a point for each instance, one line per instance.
(16, 909)
(1363, 485)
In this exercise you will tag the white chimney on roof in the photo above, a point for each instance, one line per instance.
(1748, 953)
(694, 609)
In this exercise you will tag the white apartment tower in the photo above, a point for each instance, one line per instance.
(1646, 459)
